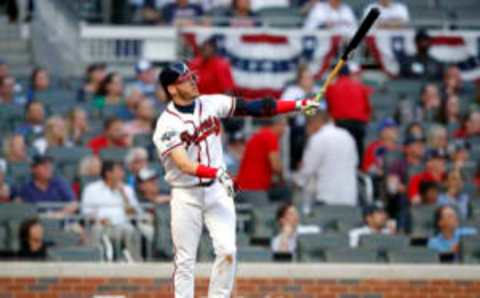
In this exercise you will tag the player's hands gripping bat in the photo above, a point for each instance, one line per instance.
(362, 31)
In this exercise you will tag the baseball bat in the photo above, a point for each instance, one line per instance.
(365, 26)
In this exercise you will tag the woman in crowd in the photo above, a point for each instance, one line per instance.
(15, 149)
(77, 125)
(39, 81)
(55, 135)
(95, 74)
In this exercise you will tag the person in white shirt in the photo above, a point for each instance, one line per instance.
(392, 14)
(376, 222)
(332, 14)
(330, 160)
(111, 204)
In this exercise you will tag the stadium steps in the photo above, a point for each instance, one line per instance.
(15, 48)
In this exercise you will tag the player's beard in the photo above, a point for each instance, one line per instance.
(190, 94)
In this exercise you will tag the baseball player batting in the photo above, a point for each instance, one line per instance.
(188, 141)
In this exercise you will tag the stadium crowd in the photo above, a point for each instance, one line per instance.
(88, 160)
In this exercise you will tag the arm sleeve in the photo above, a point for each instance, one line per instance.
(263, 107)
(166, 137)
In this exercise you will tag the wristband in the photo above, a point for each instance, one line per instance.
(206, 172)
(285, 106)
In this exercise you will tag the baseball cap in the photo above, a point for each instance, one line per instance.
(387, 123)
(146, 174)
(374, 207)
(436, 153)
(41, 159)
(174, 73)
(143, 65)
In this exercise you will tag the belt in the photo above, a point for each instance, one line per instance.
(201, 184)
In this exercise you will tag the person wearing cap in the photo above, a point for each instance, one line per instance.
(387, 142)
(329, 163)
(148, 189)
(94, 75)
(393, 14)
(188, 139)
(145, 81)
(376, 222)
(348, 102)
(434, 172)
(45, 187)
(421, 65)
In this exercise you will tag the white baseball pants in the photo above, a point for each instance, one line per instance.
(190, 208)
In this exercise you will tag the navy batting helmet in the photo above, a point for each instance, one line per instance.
(176, 72)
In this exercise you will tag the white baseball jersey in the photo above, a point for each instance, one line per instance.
(198, 132)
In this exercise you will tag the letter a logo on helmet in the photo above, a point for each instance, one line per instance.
(174, 73)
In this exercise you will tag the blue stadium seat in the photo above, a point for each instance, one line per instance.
(413, 255)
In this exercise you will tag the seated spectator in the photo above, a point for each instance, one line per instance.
(429, 192)
(459, 154)
(376, 222)
(234, 152)
(55, 135)
(332, 14)
(4, 69)
(470, 127)
(77, 126)
(413, 156)
(90, 166)
(214, 71)
(448, 232)
(241, 15)
(5, 190)
(182, 13)
(136, 160)
(15, 149)
(39, 81)
(452, 82)
(8, 92)
(329, 162)
(434, 172)
(454, 194)
(148, 189)
(261, 162)
(110, 204)
(429, 104)
(32, 243)
(387, 142)
(44, 187)
(437, 137)
(289, 229)
(94, 76)
(110, 92)
(392, 14)
(32, 128)
(415, 129)
(450, 111)
(113, 135)
(422, 64)
(145, 80)
(143, 121)
(303, 87)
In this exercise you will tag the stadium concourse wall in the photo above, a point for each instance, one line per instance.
(148, 280)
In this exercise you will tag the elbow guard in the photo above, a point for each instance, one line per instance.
(255, 108)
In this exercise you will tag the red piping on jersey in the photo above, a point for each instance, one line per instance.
(170, 149)
(174, 114)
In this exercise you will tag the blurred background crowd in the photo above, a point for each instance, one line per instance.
(383, 172)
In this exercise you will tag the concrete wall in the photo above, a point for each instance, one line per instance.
(62, 280)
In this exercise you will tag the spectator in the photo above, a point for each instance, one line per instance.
(374, 155)
(77, 126)
(32, 243)
(437, 137)
(5, 190)
(8, 92)
(429, 106)
(261, 4)
(234, 152)
(454, 194)
(110, 204)
(136, 160)
(415, 129)
(145, 81)
(15, 149)
(303, 87)
(94, 76)
(376, 222)
(241, 15)
(332, 14)
(4, 69)
(429, 192)
(261, 161)
(110, 93)
(32, 128)
(113, 135)
(55, 135)
(470, 126)
(392, 14)
(448, 232)
(182, 13)
(434, 172)
(459, 154)
(450, 111)
(349, 104)
(331, 161)
(44, 187)
(422, 64)
(39, 81)
(144, 119)
(90, 166)
(214, 71)
(452, 82)
(148, 189)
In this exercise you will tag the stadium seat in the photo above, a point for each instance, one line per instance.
(349, 255)
(312, 247)
(75, 254)
(18, 173)
(413, 255)
(3, 239)
(114, 154)
(142, 140)
(382, 242)
(470, 248)
(16, 212)
(52, 224)
(68, 154)
(422, 220)
(408, 87)
(256, 198)
(62, 238)
(263, 222)
(328, 216)
(162, 243)
(254, 254)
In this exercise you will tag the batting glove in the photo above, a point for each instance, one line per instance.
(307, 105)
(227, 182)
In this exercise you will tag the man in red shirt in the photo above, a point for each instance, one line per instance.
(214, 72)
(387, 142)
(113, 135)
(261, 159)
(348, 102)
(434, 172)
